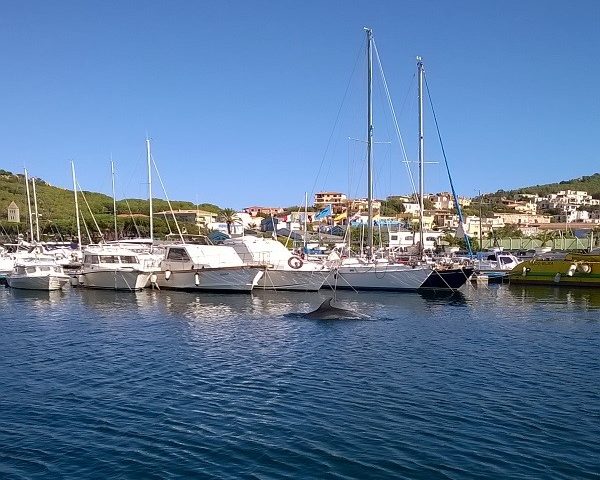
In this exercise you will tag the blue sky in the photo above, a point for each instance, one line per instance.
(240, 98)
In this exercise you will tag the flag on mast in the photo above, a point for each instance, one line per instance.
(326, 212)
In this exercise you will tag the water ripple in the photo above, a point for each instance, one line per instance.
(489, 383)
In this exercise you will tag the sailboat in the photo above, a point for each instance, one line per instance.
(110, 267)
(35, 268)
(369, 273)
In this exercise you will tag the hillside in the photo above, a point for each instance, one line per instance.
(56, 207)
(588, 183)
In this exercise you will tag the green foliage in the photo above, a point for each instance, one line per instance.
(588, 183)
(507, 231)
(546, 237)
(392, 207)
(56, 209)
(229, 216)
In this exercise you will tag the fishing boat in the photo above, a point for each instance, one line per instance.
(37, 274)
(281, 269)
(575, 270)
(370, 273)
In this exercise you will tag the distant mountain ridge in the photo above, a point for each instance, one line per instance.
(588, 183)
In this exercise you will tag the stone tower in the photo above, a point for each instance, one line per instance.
(13, 213)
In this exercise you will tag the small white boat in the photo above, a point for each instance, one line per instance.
(37, 274)
(113, 268)
(495, 265)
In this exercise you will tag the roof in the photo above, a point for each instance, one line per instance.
(195, 212)
(13, 205)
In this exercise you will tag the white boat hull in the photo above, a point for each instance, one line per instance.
(46, 282)
(127, 280)
(227, 279)
(378, 277)
(299, 280)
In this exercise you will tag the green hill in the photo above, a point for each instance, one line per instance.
(56, 209)
(588, 183)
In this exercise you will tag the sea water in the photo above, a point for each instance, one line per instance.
(493, 382)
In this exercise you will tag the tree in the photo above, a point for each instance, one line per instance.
(507, 231)
(392, 207)
(229, 216)
(546, 236)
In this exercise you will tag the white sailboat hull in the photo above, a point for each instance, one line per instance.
(379, 277)
(305, 281)
(227, 279)
(127, 280)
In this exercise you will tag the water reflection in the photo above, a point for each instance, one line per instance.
(36, 298)
(110, 301)
(580, 297)
(271, 304)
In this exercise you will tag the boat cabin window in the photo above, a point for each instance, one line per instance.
(492, 257)
(30, 269)
(58, 269)
(505, 260)
(109, 259)
(20, 270)
(128, 259)
(91, 259)
(178, 254)
(393, 237)
(45, 268)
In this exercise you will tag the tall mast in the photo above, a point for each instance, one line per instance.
(370, 140)
(149, 158)
(480, 222)
(29, 207)
(421, 154)
(76, 205)
(37, 218)
(305, 217)
(112, 172)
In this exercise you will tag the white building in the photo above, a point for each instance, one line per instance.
(488, 225)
